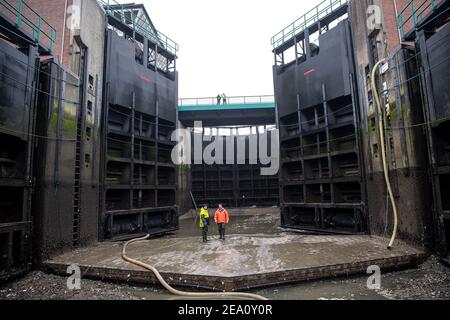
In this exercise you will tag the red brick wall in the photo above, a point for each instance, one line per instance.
(390, 23)
(423, 6)
(53, 12)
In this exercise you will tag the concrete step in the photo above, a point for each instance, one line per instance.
(254, 211)
(239, 212)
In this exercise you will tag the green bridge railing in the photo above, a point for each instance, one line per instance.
(413, 13)
(310, 18)
(27, 19)
(236, 102)
(138, 24)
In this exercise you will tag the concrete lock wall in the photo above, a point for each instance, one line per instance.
(72, 172)
(406, 155)
(237, 183)
(66, 207)
(55, 158)
(433, 44)
(92, 18)
(16, 113)
(323, 187)
(184, 178)
(139, 182)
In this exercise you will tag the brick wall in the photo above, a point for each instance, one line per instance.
(421, 7)
(53, 12)
(390, 23)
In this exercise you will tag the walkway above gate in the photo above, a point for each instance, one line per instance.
(248, 110)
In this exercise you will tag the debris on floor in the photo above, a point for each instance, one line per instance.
(430, 280)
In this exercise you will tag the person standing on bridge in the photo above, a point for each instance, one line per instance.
(219, 99)
(204, 222)
(222, 218)
(224, 98)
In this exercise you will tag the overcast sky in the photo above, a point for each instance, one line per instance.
(224, 44)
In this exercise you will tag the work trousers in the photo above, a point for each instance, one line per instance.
(221, 230)
(205, 233)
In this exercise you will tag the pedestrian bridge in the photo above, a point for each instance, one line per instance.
(242, 110)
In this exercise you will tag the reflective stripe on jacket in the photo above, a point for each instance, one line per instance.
(221, 216)
(204, 215)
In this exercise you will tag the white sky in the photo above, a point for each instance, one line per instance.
(224, 44)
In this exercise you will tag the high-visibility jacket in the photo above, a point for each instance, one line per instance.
(221, 216)
(204, 217)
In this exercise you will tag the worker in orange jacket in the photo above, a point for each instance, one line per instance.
(222, 218)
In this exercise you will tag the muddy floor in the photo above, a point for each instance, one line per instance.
(430, 281)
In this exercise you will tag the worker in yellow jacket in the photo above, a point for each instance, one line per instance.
(204, 222)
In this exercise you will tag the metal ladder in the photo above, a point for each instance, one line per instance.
(77, 187)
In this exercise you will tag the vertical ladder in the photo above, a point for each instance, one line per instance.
(77, 186)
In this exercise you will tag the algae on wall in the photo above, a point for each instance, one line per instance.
(184, 200)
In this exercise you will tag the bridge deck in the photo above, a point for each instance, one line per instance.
(221, 107)
(248, 110)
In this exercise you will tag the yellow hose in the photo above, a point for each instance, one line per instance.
(383, 152)
(178, 292)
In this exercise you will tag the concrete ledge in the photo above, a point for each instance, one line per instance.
(239, 283)
(243, 262)
(238, 212)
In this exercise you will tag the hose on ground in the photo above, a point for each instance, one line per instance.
(383, 151)
(178, 292)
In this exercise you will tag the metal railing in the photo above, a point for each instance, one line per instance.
(27, 19)
(138, 24)
(412, 14)
(208, 101)
(310, 18)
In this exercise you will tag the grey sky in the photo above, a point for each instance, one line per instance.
(224, 45)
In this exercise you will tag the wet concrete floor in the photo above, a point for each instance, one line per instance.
(430, 280)
(254, 246)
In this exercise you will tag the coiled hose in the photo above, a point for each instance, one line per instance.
(178, 292)
(383, 151)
